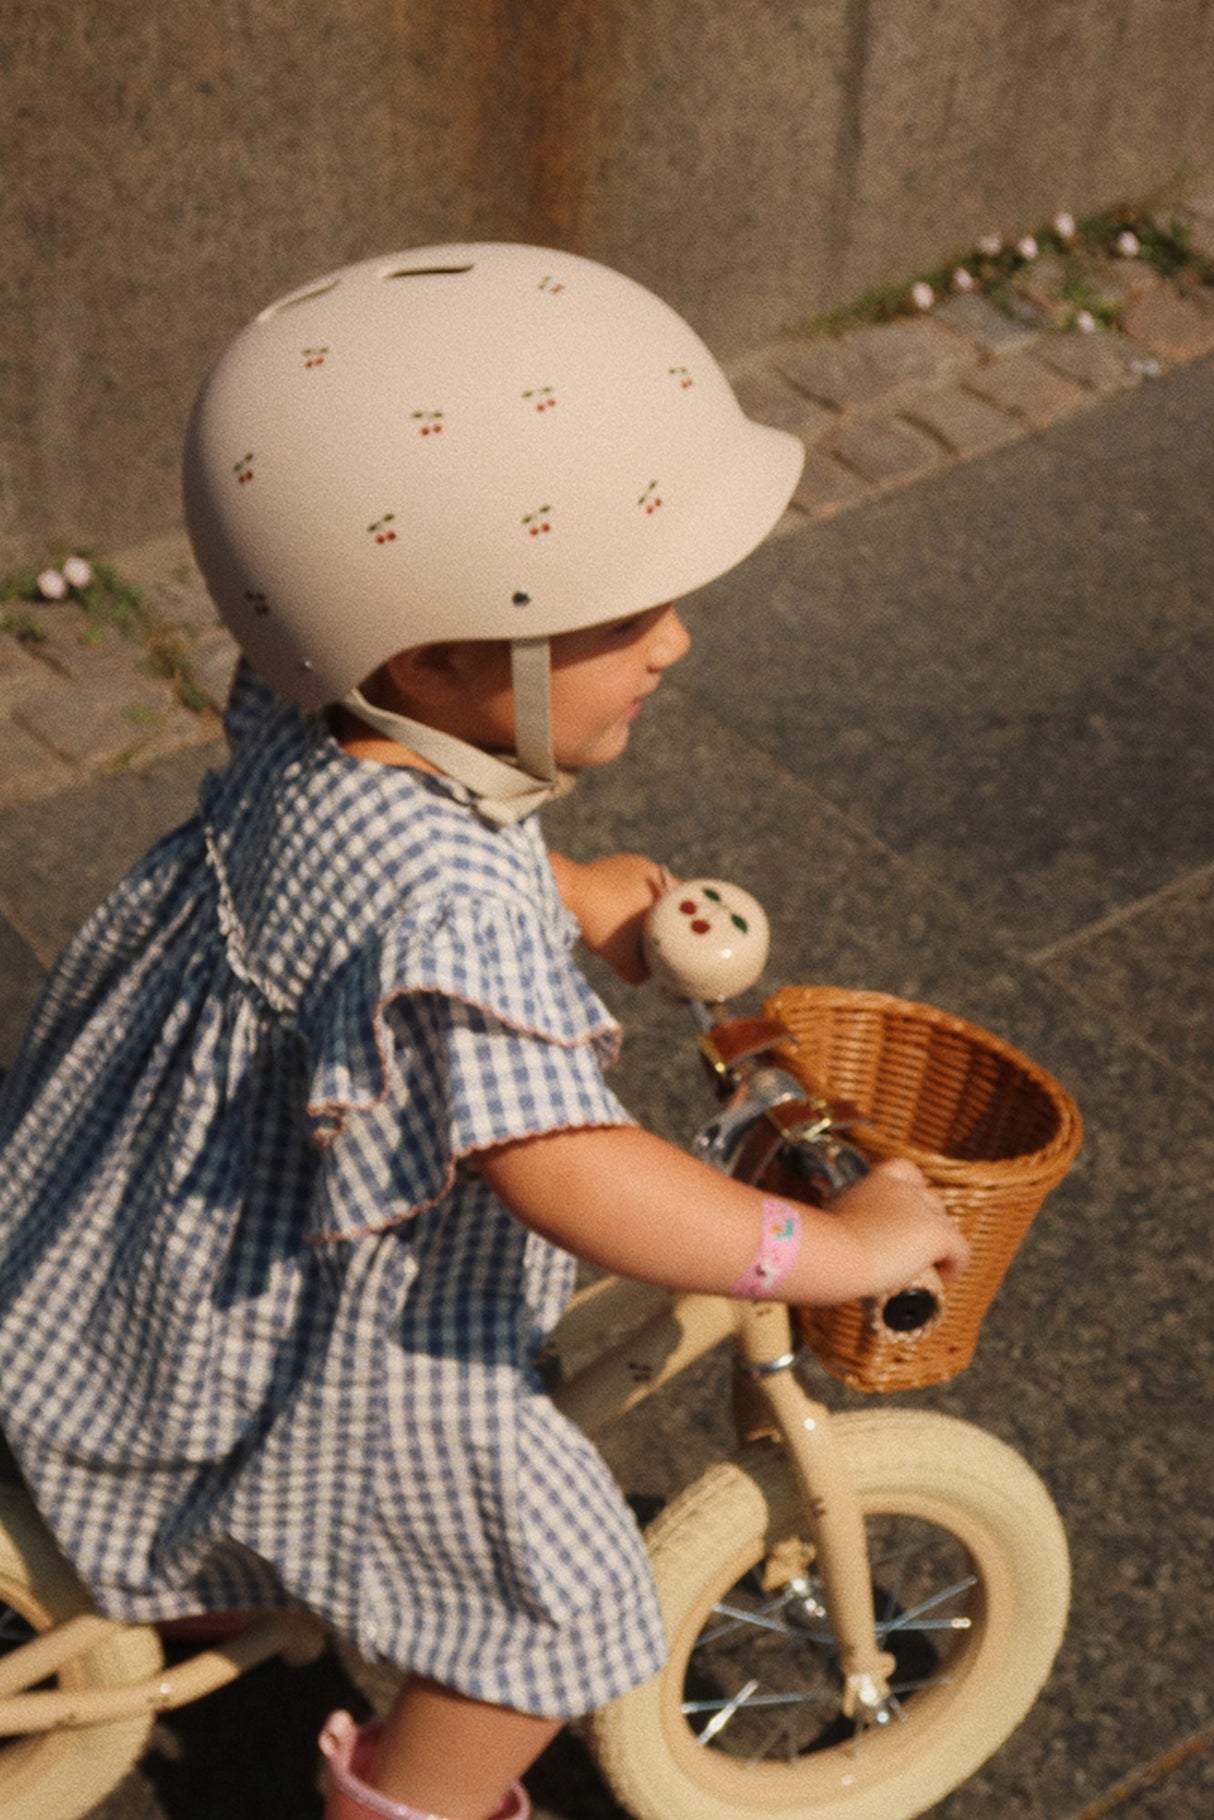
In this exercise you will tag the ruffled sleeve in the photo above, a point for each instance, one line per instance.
(464, 1027)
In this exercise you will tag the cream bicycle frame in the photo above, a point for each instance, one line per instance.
(296, 1636)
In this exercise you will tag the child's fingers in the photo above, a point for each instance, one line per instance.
(958, 1256)
(951, 1246)
(900, 1169)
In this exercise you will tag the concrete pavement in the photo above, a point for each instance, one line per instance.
(957, 737)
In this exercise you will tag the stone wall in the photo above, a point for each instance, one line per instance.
(169, 168)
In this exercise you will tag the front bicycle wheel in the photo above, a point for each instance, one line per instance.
(62, 1775)
(971, 1586)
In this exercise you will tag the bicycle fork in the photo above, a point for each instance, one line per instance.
(828, 1499)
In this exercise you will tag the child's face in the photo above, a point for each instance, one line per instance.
(600, 677)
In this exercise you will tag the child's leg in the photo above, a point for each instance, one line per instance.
(449, 1755)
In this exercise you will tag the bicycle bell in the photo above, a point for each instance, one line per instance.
(706, 941)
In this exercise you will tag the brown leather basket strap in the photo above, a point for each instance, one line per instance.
(779, 1125)
(731, 1042)
(757, 1151)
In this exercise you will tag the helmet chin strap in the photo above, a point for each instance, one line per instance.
(531, 679)
(506, 789)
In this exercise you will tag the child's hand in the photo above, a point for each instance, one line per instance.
(610, 898)
(902, 1222)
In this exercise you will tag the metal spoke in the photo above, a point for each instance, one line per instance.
(726, 1713)
(758, 1618)
(893, 1593)
(746, 1698)
(912, 1618)
(917, 1687)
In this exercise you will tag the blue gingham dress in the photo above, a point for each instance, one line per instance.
(266, 1338)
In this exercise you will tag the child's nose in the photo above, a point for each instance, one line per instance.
(668, 641)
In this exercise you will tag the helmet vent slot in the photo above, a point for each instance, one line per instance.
(427, 271)
(305, 296)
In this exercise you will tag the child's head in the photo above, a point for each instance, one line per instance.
(466, 443)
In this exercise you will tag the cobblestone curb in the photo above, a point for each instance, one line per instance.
(878, 407)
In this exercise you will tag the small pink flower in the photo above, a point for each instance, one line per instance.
(1064, 227)
(77, 572)
(963, 280)
(1129, 245)
(990, 246)
(1027, 247)
(922, 296)
(51, 585)
(1085, 322)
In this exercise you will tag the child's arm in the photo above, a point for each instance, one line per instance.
(636, 1205)
(610, 898)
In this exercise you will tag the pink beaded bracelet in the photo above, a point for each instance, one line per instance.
(781, 1241)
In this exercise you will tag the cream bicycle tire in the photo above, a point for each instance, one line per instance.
(64, 1774)
(938, 1476)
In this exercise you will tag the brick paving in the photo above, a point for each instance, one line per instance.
(878, 407)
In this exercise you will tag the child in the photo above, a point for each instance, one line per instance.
(310, 1121)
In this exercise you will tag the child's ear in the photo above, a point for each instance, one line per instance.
(434, 675)
(426, 674)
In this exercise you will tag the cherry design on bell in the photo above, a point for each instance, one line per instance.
(544, 396)
(243, 470)
(257, 600)
(314, 357)
(538, 522)
(683, 375)
(706, 940)
(650, 499)
(700, 923)
(382, 530)
(553, 286)
(430, 423)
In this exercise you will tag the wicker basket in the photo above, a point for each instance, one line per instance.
(992, 1132)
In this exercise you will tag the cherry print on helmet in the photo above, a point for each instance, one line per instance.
(488, 335)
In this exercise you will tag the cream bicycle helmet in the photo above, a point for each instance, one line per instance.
(461, 442)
